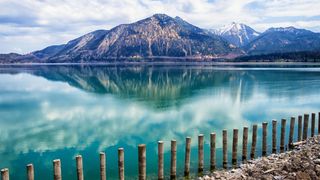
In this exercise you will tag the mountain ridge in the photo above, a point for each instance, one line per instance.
(283, 40)
(155, 36)
(162, 36)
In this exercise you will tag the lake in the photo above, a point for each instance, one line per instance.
(60, 111)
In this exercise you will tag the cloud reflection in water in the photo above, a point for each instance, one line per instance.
(48, 109)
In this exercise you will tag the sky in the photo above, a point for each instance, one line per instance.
(29, 25)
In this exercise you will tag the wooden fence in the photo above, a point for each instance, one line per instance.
(301, 136)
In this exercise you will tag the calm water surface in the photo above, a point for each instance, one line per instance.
(49, 112)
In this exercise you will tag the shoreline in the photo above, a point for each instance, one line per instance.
(303, 162)
(169, 63)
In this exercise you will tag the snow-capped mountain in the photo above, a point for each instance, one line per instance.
(237, 34)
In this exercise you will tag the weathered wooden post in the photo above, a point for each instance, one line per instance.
(245, 144)
(121, 163)
(292, 121)
(254, 141)
(173, 167)
(57, 169)
(200, 153)
(160, 160)
(235, 147)
(313, 123)
(299, 128)
(283, 134)
(142, 162)
(274, 136)
(79, 167)
(264, 138)
(212, 151)
(30, 172)
(103, 175)
(187, 157)
(319, 123)
(305, 126)
(225, 148)
(5, 174)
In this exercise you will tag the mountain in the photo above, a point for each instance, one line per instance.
(237, 34)
(83, 44)
(282, 40)
(157, 36)
(163, 37)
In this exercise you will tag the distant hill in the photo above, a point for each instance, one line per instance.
(281, 40)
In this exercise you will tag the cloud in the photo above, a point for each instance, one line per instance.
(56, 22)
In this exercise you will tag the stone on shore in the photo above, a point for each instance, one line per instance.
(303, 162)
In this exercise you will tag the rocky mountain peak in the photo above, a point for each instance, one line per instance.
(237, 34)
(161, 16)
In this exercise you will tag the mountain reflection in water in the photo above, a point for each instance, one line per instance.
(59, 111)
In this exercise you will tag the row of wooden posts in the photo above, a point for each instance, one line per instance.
(302, 135)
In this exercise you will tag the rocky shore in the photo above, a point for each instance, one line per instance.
(301, 163)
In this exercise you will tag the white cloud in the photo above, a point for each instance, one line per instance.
(55, 22)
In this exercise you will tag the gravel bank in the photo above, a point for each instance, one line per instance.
(301, 163)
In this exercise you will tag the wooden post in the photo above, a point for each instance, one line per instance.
(225, 148)
(319, 123)
(245, 144)
(57, 169)
(283, 134)
(160, 160)
(79, 167)
(264, 138)
(292, 121)
(305, 126)
(5, 174)
(121, 163)
(299, 128)
(103, 175)
(200, 153)
(173, 167)
(187, 157)
(30, 172)
(274, 136)
(235, 147)
(212, 151)
(313, 123)
(254, 141)
(142, 162)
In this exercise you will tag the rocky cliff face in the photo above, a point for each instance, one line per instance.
(158, 35)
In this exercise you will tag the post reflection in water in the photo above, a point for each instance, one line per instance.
(49, 112)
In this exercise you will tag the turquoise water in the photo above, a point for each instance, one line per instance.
(49, 112)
